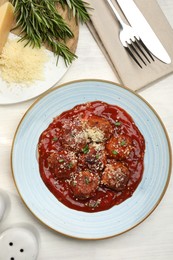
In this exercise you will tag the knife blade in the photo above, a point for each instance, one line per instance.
(144, 30)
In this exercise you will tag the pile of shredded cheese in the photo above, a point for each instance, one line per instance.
(22, 64)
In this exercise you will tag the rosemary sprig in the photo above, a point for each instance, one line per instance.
(40, 23)
(78, 9)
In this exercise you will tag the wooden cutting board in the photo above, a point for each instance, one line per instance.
(71, 43)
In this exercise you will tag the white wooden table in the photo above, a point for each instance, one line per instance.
(151, 240)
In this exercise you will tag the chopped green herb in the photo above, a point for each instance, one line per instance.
(94, 203)
(123, 143)
(114, 152)
(61, 160)
(97, 156)
(85, 149)
(87, 181)
(70, 165)
(55, 139)
(117, 123)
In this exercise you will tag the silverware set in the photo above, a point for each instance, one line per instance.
(131, 40)
(134, 41)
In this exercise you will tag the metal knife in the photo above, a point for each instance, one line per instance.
(144, 30)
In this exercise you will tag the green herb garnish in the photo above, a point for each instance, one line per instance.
(55, 139)
(85, 149)
(94, 203)
(97, 156)
(70, 165)
(87, 181)
(114, 152)
(117, 123)
(123, 143)
(61, 160)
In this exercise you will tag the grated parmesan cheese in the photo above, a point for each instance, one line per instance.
(98, 146)
(21, 64)
(95, 134)
(81, 136)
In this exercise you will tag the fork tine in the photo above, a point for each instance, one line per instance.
(137, 53)
(146, 49)
(134, 49)
(137, 42)
(132, 55)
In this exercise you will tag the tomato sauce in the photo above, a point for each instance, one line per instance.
(51, 141)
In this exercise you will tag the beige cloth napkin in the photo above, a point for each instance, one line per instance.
(105, 30)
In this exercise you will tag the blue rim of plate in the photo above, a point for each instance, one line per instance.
(42, 203)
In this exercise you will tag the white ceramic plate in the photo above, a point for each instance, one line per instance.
(15, 93)
(40, 200)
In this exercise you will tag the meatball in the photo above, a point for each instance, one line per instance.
(115, 176)
(74, 140)
(62, 164)
(74, 137)
(84, 184)
(98, 128)
(119, 147)
(93, 157)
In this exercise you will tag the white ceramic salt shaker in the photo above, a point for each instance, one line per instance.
(19, 243)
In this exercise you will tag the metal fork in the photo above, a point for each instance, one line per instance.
(131, 41)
